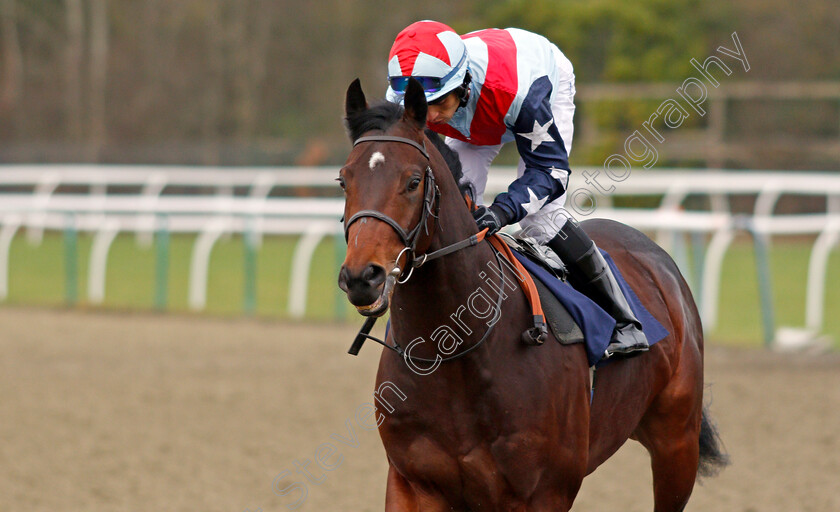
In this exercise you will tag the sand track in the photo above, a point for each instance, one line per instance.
(144, 412)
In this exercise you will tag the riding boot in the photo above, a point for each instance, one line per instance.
(591, 275)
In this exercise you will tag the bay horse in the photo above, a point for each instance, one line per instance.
(497, 424)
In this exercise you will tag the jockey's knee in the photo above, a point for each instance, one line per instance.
(535, 231)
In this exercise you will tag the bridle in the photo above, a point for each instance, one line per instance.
(431, 200)
(431, 207)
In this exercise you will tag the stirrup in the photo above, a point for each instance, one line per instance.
(633, 351)
(618, 349)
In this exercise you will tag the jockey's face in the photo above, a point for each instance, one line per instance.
(442, 112)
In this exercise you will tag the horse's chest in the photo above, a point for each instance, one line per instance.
(482, 470)
(493, 438)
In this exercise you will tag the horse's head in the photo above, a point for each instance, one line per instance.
(390, 196)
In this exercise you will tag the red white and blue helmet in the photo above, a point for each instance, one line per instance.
(432, 53)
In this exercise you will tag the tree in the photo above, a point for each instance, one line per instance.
(608, 41)
(11, 80)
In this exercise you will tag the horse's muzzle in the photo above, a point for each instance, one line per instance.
(368, 290)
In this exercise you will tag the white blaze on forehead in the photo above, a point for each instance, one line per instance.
(376, 158)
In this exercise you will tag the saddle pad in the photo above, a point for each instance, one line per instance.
(597, 325)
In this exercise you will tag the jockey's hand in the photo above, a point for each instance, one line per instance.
(493, 218)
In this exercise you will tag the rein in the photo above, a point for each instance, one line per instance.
(431, 200)
(364, 333)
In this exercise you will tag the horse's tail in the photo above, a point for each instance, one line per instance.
(712, 456)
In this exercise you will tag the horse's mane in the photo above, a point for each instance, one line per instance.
(383, 115)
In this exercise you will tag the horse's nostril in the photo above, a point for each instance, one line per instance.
(342, 278)
(374, 275)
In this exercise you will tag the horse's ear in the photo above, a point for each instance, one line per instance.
(415, 103)
(355, 101)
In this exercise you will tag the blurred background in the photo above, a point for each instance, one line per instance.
(261, 82)
(178, 101)
(171, 332)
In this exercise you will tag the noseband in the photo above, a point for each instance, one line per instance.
(431, 199)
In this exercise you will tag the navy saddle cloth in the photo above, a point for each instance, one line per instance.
(595, 325)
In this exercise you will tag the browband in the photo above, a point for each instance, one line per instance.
(390, 138)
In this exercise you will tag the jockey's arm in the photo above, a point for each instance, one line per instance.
(543, 152)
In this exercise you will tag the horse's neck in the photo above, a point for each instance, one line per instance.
(447, 281)
(442, 288)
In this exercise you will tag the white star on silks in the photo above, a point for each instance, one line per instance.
(560, 175)
(534, 203)
(539, 134)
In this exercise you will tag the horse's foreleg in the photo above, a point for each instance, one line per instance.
(398, 493)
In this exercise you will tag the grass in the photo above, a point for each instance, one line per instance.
(739, 315)
(38, 277)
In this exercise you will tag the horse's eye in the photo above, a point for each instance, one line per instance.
(341, 183)
(413, 184)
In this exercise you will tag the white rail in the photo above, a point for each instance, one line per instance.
(107, 200)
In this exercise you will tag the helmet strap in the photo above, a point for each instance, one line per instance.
(465, 91)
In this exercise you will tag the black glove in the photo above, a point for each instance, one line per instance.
(493, 218)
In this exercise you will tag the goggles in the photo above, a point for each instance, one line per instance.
(429, 83)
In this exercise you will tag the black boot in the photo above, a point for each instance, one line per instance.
(591, 275)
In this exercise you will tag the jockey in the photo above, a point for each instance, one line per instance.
(494, 86)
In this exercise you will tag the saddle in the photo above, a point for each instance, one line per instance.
(543, 302)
